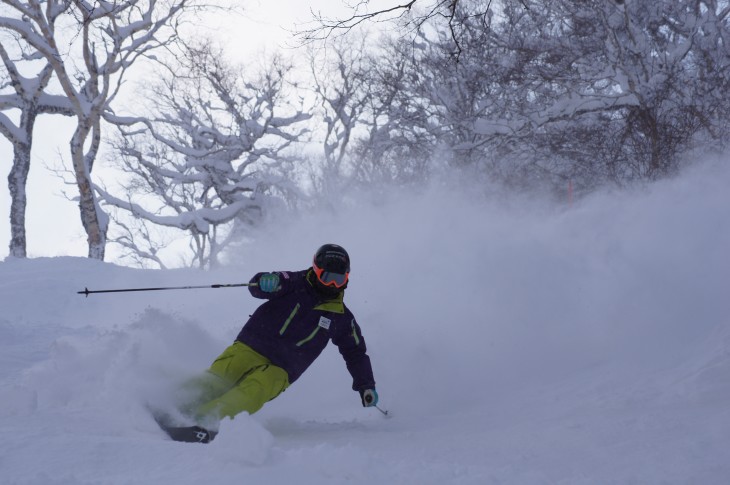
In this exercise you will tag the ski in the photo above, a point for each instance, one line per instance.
(185, 434)
(189, 434)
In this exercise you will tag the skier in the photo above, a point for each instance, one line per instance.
(303, 311)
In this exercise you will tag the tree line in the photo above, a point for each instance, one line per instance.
(530, 94)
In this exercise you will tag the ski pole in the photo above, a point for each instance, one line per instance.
(88, 292)
(384, 411)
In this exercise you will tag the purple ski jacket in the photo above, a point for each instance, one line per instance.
(293, 327)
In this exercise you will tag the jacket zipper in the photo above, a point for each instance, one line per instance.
(311, 336)
(288, 320)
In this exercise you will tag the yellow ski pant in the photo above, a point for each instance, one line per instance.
(240, 379)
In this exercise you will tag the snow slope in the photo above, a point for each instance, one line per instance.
(513, 344)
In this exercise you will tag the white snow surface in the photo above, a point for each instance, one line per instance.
(512, 343)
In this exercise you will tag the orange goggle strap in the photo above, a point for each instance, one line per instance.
(327, 278)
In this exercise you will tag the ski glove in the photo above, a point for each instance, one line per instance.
(369, 397)
(269, 282)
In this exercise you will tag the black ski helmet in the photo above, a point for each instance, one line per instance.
(332, 265)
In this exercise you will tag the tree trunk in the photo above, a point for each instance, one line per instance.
(94, 224)
(18, 200)
(17, 181)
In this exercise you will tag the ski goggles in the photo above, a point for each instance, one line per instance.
(328, 278)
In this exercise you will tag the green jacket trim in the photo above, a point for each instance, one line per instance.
(354, 333)
(288, 320)
(311, 336)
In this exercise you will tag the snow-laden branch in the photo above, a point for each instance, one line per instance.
(10, 130)
(199, 220)
(212, 158)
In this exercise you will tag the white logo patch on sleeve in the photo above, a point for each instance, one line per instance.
(325, 322)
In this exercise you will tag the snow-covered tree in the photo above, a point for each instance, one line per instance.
(89, 46)
(25, 97)
(211, 158)
(544, 91)
(341, 85)
(370, 124)
(395, 145)
(622, 92)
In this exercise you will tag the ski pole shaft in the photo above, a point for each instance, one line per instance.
(88, 292)
(384, 411)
